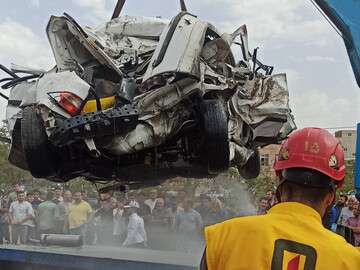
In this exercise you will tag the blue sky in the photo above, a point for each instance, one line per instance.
(291, 35)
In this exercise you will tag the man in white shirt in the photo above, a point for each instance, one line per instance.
(136, 234)
(21, 217)
(153, 199)
(120, 223)
(347, 212)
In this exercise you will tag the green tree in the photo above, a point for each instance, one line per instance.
(349, 186)
(9, 174)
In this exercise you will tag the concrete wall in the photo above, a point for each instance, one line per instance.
(267, 157)
(348, 142)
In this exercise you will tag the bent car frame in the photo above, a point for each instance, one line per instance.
(141, 100)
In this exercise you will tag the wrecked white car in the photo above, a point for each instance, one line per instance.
(144, 99)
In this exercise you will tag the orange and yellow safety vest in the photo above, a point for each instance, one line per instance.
(290, 237)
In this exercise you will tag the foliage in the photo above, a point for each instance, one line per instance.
(349, 179)
(9, 174)
(259, 186)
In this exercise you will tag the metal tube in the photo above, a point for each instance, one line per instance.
(357, 163)
(183, 5)
(119, 6)
(4, 96)
(61, 240)
(8, 71)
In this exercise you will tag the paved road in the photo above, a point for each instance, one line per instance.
(107, 257)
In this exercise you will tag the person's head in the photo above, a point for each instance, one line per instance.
(182, 195)
(350, 203)
(77, 196)
(67, 196)
(310, 167)
(153, 194)
(105, 199)
(269, 195)
(132, 207)
(21, 196)
(131, 197)
(36, 194)
(105, 195)
(57, 192)
(356, 210)
(215, 205)
(30, 197)
(49, 196)
(141, 197)
(84, 195)
(18, 187)
(160, 203)
(205, 200)
(264, 203)
(187, 204)
(113, 202)
(120, 203)
(342, 200)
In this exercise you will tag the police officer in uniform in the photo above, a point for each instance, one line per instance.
(291, 236)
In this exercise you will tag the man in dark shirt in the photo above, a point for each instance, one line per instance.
(159, 226)
(3, 220)
(335, 212)
(37, 200)
(204, 208)
(188, 226)
(104, 219)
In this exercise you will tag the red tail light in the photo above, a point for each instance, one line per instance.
(70, 102)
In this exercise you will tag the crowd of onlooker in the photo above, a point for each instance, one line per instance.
(345, 214)
(266, 202)
(163, 218)
(160, 218)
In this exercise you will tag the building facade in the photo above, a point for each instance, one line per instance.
(348, 142)
(267, 157)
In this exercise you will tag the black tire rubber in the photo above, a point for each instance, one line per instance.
(216, 148)
(251, 169)
(39, 155)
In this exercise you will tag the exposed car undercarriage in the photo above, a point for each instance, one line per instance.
(146, 98)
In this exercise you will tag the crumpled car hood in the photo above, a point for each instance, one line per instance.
(262, 98)
(70, 42)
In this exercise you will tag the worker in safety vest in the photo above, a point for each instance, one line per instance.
(310, 167)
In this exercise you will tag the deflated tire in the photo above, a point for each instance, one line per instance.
(39, 153)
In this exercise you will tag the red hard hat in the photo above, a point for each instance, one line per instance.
(312, 148)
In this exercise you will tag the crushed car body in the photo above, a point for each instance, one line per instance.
(143, 99)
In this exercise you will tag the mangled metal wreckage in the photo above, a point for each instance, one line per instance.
(144, 99)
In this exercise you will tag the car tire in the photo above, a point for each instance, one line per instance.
(216, 148)
(39, 153)
(251, 169)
